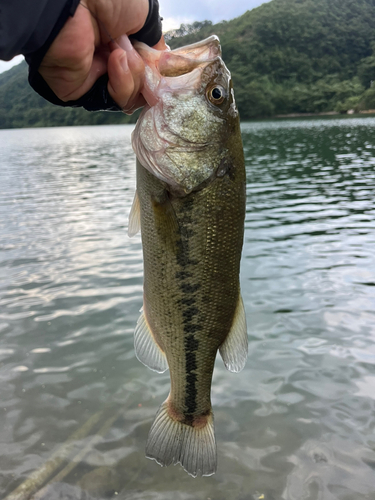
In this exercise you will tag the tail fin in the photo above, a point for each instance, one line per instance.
(170, 441)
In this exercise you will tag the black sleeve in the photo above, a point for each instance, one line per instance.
(27, 25)
(97, 98)
(151, 31)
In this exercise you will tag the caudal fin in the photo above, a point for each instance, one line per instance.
(172, 442)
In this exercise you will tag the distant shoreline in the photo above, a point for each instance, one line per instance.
(327, 113)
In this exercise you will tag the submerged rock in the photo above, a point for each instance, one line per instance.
(101, 482)
(61, 491)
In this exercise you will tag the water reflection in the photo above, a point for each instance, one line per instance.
(297, 423)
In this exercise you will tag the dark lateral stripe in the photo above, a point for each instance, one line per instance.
(189, 328)
(187, 288)
(189, 309)
(191, 347)
(187, 301)
(189, 313)
(183, 275)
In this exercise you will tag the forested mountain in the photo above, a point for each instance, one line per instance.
(296, 56)
(286, 56)
(21, 107)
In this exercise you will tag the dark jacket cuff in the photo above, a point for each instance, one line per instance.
(151, 32)
(97, 98)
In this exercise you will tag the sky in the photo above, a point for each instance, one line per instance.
(176, 13)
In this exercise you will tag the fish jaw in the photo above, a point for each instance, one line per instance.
(180, 136)
(179, 61)
(206, 49)
(159, 64)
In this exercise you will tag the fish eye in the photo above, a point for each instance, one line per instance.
(216, 94)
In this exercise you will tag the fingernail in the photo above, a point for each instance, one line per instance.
(125, 43)
(124, 62)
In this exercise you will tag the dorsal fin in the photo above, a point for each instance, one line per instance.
(234, 348)
(146, 349)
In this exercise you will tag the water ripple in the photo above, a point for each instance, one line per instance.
(298, 422)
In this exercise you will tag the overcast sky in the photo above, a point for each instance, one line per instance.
(176, 13)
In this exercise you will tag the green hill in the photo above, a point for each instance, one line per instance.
(286, 56)
(297, 56)
(21, 107)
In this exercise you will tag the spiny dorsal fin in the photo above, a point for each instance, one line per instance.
(172, 442)
(146, 349)
(234, 348)
(134, 225)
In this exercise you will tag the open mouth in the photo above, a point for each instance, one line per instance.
(177, 62)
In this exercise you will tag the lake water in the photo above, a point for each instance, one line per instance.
(298, 423)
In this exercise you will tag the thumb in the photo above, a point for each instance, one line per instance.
(126, 75)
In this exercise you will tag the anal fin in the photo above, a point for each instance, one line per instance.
(146, 349)
(234, 348)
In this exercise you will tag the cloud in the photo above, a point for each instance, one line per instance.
(5, 65)
(212, 10)
(171, 23)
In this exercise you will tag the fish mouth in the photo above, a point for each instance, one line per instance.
(184, 60)
(163, 66)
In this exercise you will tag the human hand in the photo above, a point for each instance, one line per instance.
(95, 42)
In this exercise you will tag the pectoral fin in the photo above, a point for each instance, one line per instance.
(134, 225)
(234, 348)
(146, 349)
(165, 216)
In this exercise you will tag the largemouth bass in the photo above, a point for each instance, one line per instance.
(190, 208)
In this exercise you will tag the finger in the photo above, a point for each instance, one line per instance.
(137, 68)
(68, 85)
(125, 79)
(138, 103)
(118, 17)
(71, 68)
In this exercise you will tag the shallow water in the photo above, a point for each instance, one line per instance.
(297, 423)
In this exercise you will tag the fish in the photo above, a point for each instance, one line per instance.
(190, 208)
